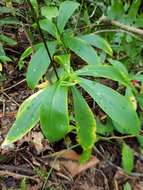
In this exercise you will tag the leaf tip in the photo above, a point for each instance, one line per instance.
(5, 143)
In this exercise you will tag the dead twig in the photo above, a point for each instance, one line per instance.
(10, 98)
(21, 170)
(7, 114)
(17, 176)
(132, 29)
(13, 86)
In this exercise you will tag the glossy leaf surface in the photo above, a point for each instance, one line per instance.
(63, 60)
(85, 122)
(54, 113)
(99, 42)
(127, 158)
(82, 49)
(66, 9)
(49, 12)
(39, 64)
(27, 117)
(105, 71)
(114, 104)
(140, 100)
(49, 26)
(34, 4)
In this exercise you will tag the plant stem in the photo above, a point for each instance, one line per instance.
(36, 20)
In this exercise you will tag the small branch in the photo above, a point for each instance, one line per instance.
(13, 86)
(118, 137)
(36, 20)
(122, 26)
(28, 38)
(21, 170)
(10, 98)
(17, 176)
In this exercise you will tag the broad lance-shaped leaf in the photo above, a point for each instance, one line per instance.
(127, 158)
(34, 4)
(7, 40)
(105, 71)
(97, 41)
(39, 64)
(66, 9)
(50, 27)
(116, 10)
(127, 186)
(27, 116)
(82, 49)
(27, 52)
(54, 113)
(133, 12)
(114, 104)
(120, 66)
(64, 60)
(49, 12)
(85, 122)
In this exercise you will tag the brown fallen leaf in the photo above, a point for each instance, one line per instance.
(69, 160)
(139, 186)
(37, 139)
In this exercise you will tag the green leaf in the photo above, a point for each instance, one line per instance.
(39, 64)
(127, 186)
(9, 20)
(127, 158)
(104, 129)
(85, 156)
(139, 20)
(140, 140)
(7, 40)
(49, 12)
(66, 9)
(23, 185)
(27, 117)
(34, 4)
(140, 100)
(98, 42)
(82, 49)
(133, 11)
(50, 27)
(138, 77)
(63, 60)
(131, 97)
(54, 113)
(28, 51)
(4, 58)
(85, 122)
(105, 71)
(118, 65)
(4, 10)
(114, 104)
(116, 10)
(2, 52)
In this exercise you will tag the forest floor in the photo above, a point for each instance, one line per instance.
(34, 164)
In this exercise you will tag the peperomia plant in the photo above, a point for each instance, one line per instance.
(50, 104)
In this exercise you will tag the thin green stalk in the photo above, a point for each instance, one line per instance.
(57, 154)
(36, 20)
